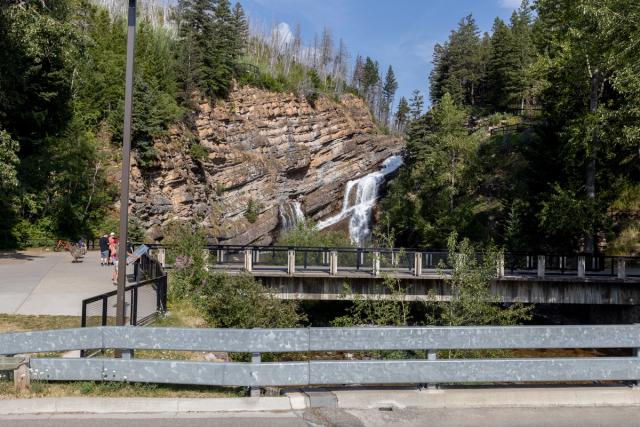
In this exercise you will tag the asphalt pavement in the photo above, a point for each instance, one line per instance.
(489, 417)
(48, 283)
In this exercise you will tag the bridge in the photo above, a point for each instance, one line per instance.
(317, 273)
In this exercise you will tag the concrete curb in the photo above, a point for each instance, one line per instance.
(364, 398)
(108, 405)
(534, 397)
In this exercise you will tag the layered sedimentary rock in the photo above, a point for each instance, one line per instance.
(247, 160)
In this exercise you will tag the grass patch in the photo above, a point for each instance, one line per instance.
(116, 389)
(20, 322)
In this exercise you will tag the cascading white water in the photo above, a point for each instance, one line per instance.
(291, 215)
(297, 212)
(367, 189)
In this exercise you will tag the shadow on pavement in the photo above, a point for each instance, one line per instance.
(18, 256)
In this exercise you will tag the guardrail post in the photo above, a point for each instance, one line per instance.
(255, 391)
(22, 376)
(582, 265)
(333, 263)
(248, 260)
(205, 257)
(417, 264)
(541, 267)
(431, 356)
(622, 268)
(376, 263)
(162, 257)
(291, 261)
(500, 266)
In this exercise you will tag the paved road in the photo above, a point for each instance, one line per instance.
(39, 282)
(557, 417)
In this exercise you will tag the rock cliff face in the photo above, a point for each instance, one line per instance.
(252, 161)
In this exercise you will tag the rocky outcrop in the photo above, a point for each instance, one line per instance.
(259, 151)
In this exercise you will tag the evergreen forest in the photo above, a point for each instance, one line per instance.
(533, 134)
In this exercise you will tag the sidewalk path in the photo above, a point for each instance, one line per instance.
(46, 282)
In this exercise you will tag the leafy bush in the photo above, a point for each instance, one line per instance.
(38, 233)
(185, 242)
(384, 307)
(242, 302)
(472, 302)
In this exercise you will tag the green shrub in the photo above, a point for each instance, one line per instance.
(198, 152)
(242, 302)
(185, 242)
(306, 234)
(253, 210)
(219, 188)
(38, 233)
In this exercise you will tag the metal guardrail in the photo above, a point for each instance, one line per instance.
(326, 372)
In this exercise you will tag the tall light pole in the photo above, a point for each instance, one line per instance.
(126, 164)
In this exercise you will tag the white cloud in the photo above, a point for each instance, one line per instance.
(282, 34)
(510, 4)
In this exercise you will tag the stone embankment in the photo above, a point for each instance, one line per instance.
(259, 152)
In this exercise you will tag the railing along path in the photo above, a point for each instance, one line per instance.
(405, 262)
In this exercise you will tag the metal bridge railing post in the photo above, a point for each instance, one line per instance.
(162, 257)
(541, 266)
(500, 266)
(376, 264)
(255, 391)
(248, 260)
(417, 262)
(582, 264)
(291, 261)
(333, 263)
(622, 268)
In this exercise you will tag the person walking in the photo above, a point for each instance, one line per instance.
(104, 250)
(112, 241)
(113, 249)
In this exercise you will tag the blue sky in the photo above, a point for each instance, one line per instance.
(399, 32)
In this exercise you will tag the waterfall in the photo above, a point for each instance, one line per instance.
(291, 215)
(366, 195)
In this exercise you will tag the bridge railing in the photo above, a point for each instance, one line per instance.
(415, 262)
(315, 370)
